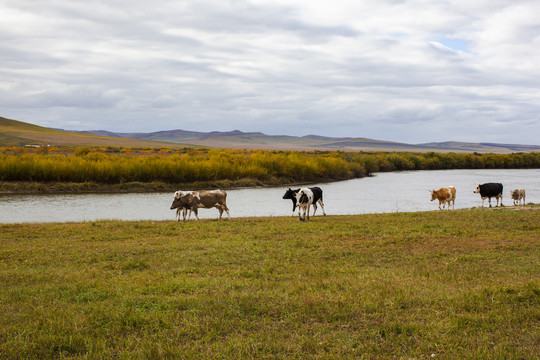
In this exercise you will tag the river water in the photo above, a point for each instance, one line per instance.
(402, 191)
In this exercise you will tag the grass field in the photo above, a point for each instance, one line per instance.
(445, 285)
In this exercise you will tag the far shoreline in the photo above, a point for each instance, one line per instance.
(33, 187)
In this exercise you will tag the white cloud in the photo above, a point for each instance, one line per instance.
(393, 70)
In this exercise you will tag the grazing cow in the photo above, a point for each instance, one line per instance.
(488, 191)
(317, 198)
(517, 195)
(304, 199)
(193, 200)
(445, 195)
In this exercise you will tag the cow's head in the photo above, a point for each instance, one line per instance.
(433, 194)
(179, 199)
(303, 199)
(290, 194)
(176, 203)
(476, 188)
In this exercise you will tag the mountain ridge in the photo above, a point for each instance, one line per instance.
(239, 139)
(18, 133)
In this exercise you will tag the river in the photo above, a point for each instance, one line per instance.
(402, 191)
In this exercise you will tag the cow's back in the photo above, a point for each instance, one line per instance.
(209, 198)
(491, 189)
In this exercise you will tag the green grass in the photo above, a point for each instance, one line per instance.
(445, 285)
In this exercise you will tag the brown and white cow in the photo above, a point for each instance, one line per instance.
(193, 200)
(445, 195)
(518, 195)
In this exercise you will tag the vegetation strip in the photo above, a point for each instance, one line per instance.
(454, 285)
(106, 169)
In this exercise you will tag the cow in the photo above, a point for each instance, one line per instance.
(193, 200)
(304, 199)
(517, 195)
(317, 198)
(489, 190)
(181, 208)
(445, 195)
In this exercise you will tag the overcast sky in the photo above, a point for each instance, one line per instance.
(411, 71)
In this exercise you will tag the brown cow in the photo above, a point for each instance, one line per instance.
(445, 195)
(193, 200)
(517, 195)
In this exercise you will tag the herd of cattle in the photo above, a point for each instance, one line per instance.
(304, 198)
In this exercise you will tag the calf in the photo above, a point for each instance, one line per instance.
(317, 198)
(193, 200)
(304, 199)
(445, 195)
(517, 195)
(488, 191)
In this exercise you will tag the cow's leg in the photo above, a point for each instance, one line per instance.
(489, 200)
(196, 211)
(220, 209)
(322, 207)
(302, 213)
(314, 208)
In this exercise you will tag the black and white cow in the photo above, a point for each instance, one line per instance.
(317, 198)
(489, 190)
(304, 199)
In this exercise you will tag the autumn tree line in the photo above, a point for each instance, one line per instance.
(114, 166)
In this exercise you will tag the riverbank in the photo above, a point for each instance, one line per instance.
(458, 284)
(12, 187)
(100, 170)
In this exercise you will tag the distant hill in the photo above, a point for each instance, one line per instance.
(19, 133)
(258, 140)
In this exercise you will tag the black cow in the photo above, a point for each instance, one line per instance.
(489, 190)
(317, 198)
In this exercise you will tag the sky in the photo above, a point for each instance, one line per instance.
(412, 71)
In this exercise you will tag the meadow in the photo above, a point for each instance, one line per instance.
(115, 169)
(440, 285)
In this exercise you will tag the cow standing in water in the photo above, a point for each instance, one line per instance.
(317, 198)
(193, 200)
(488, 191)
(304, 199)
(445, 195)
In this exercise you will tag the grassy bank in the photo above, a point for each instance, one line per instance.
(447, 285)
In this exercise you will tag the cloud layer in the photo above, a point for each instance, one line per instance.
(412, 71)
